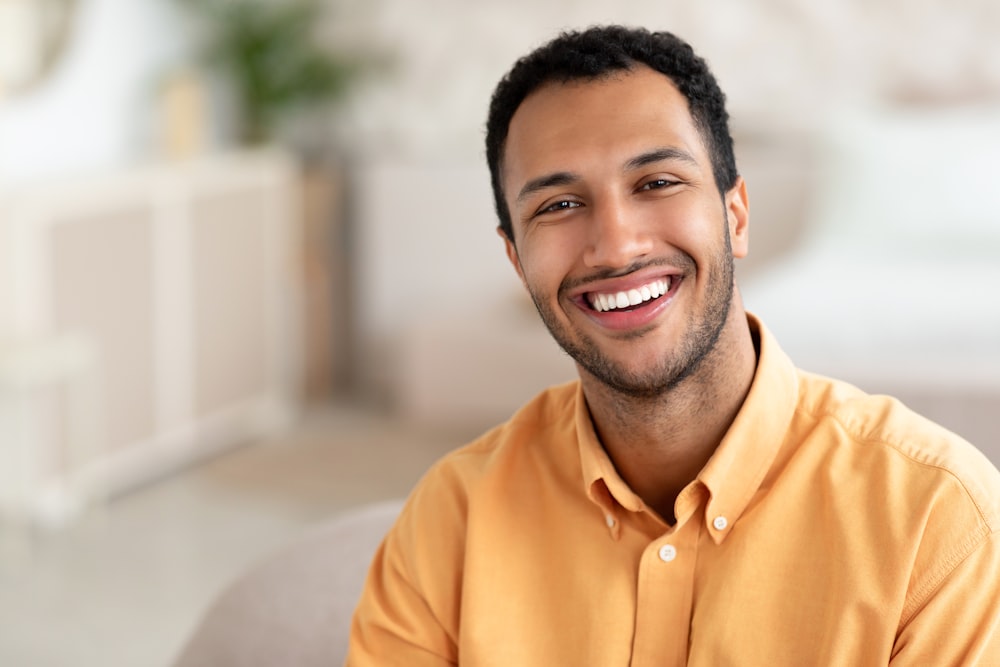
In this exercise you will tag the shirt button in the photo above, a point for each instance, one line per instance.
(720, 523)
(668, 552)
(610, 521)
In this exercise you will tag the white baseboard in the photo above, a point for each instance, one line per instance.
(146, 461)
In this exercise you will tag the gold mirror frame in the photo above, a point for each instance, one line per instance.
(33, 35)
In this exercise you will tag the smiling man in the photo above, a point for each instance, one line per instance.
(693, 499)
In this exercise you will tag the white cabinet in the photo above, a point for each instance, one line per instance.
(146, 319)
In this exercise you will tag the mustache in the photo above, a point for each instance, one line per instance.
(679, 260)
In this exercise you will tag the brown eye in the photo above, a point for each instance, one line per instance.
(656, 184)
(560, 206)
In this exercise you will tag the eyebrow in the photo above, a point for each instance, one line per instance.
(547, 181)
(660, 155)
(637, 162)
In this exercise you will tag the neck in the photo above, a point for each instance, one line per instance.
(660, 444)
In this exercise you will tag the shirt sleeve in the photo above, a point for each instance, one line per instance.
(959, 624)
(408, 612)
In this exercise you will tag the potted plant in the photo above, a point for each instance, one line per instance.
(270, 56)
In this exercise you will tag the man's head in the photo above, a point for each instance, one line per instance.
(616, 213)
(600, 52)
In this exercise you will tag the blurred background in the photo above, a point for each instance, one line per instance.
(249, 276)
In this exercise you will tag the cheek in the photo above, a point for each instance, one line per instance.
(547, 258)
(695, 229)
(540, 276)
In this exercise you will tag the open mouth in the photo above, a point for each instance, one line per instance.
(630, 299)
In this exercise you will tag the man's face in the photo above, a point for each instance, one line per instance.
(622, 237)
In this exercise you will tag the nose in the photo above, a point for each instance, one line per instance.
(617, 236)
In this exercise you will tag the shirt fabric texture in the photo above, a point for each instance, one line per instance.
(830, 528)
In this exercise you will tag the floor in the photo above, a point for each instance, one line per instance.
(126, 583)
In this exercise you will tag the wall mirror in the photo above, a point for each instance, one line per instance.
(33, 34)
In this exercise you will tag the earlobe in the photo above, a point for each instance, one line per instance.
(515, 261)
(738, 213)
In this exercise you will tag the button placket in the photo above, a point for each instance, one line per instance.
(665, 593)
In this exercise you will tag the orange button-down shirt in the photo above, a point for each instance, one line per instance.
(829, 528)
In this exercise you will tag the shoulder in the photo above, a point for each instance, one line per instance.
(539, 429)
(539, 437)
(878, 427)
(485, 474)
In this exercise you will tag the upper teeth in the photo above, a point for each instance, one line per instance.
(633, 297)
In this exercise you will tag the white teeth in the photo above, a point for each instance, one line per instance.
(605, 302)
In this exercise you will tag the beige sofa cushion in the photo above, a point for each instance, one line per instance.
(294, 608)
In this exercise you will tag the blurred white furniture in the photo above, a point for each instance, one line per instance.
(294, 608)
(180, 283)
(894, 285)
(67, 364)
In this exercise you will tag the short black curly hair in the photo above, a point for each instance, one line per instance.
(595, 53)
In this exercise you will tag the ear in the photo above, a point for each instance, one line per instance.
(738, 215)
(515, 261)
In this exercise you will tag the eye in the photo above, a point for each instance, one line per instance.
(656, 184)
(561, 205)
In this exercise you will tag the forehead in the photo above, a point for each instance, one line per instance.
(568, 126)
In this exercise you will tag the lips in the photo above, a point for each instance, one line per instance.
(629, 304)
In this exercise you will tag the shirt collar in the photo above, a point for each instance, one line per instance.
(734, 473)
(603, 485)
(738, 466)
